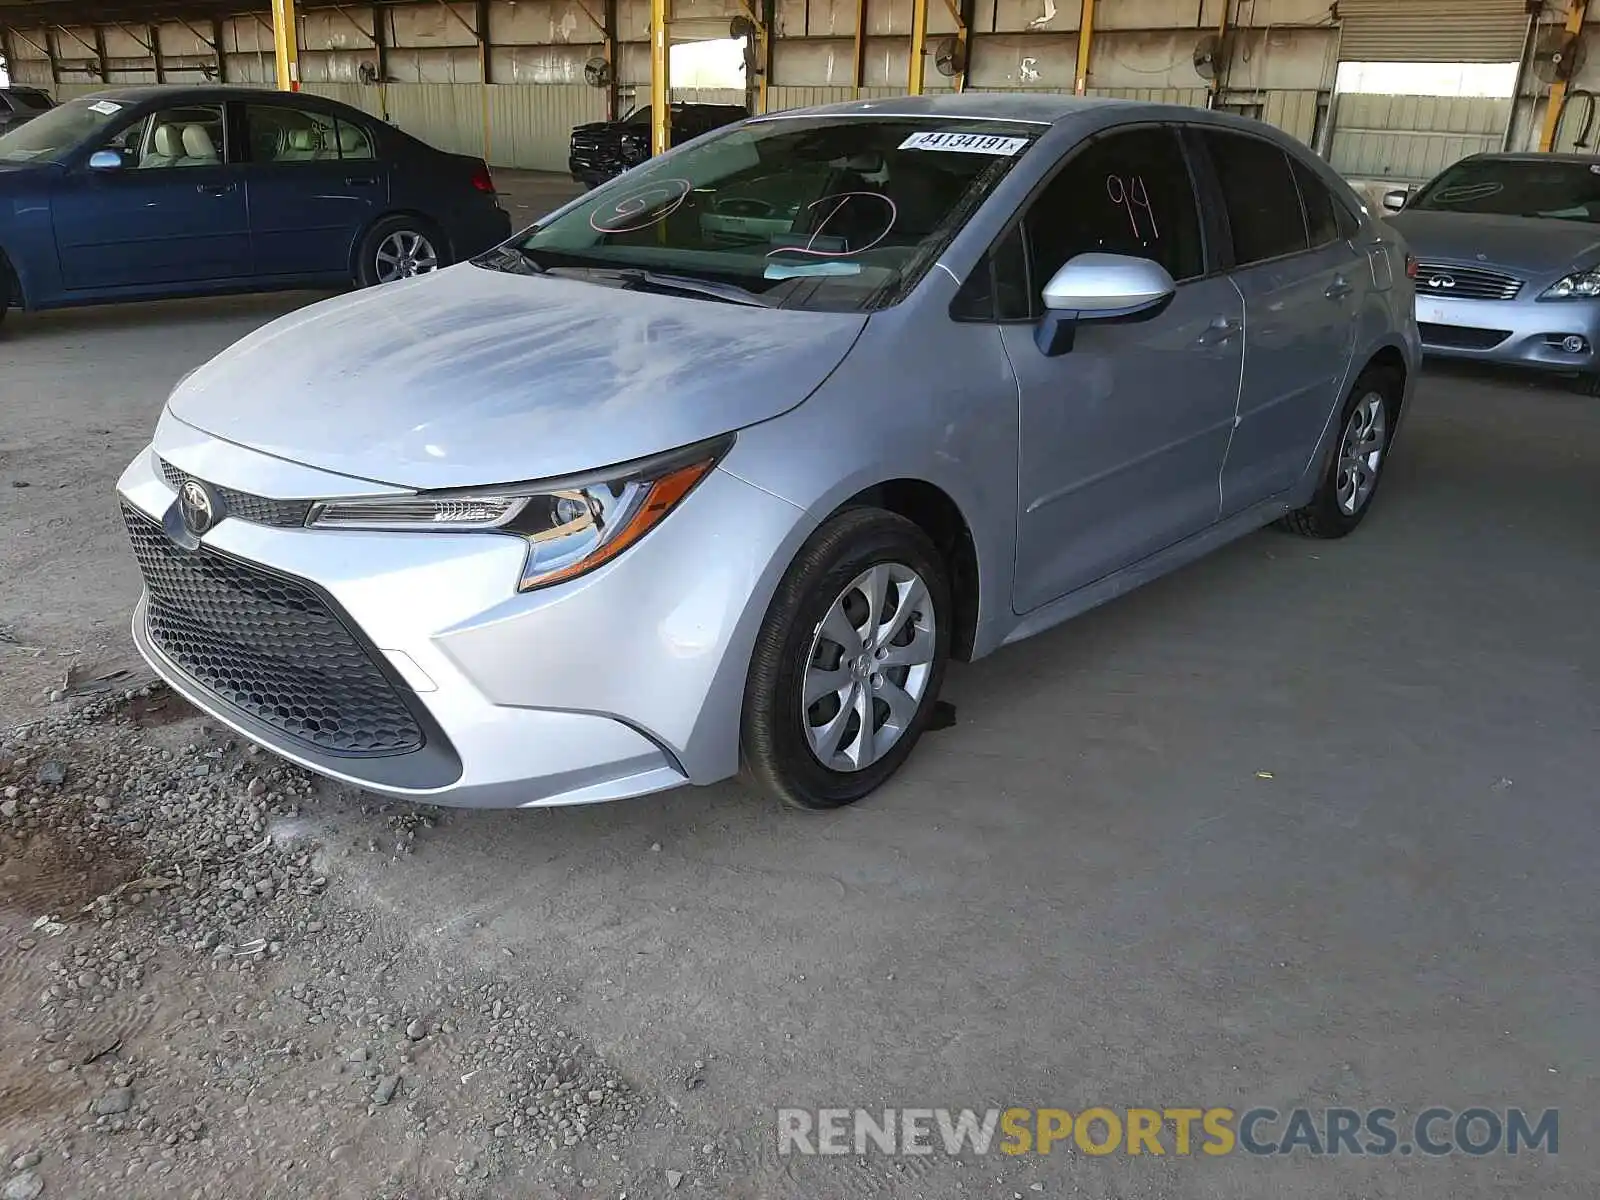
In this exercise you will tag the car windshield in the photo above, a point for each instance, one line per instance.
(52, 135)
(1568, 191)
(835, 213)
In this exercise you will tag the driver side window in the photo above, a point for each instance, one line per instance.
(174, 137)
(1127, 192)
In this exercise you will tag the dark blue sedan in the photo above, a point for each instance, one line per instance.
(150, 192)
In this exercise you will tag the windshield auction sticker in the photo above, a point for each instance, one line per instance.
(964, 143)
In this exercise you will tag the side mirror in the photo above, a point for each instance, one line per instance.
(1396, 200)
(105, 160)
(1100, 287)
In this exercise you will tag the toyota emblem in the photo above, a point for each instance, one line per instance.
(1441, 281)
(197, 506)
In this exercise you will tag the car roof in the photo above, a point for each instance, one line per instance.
(1039, 108)
(194, 92)
(1513, 156)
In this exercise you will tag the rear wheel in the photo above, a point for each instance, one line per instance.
(849, 661)
(400, 248)
(1356, 468)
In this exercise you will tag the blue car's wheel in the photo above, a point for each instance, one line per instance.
(400, 248)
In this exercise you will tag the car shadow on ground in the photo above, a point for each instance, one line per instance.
(158, 315)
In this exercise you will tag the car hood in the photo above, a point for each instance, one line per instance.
(475, 376)
(13, 170)
(1527, 245)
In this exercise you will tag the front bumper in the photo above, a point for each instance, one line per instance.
(623, 682)
(1521, 332)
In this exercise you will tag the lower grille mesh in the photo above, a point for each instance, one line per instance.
(270, 646)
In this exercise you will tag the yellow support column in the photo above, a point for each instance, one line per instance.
(1080, 81)
(660, 79)
(1558, 90)
(919, 49)
(286, 44)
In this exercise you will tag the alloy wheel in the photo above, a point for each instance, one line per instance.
(404, 254)
(1361, 453)
(870, 664)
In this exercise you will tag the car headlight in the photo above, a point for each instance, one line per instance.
(1580, 285)
(571, 526)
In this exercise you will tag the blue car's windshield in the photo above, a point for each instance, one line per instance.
(1516, 187)
(826, 212)
(51, 136)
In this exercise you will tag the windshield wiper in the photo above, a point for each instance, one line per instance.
(511, 259)
(728, 293)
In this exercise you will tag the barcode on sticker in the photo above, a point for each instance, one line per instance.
(964, 143)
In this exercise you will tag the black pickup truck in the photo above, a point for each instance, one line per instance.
(21, 104)
(603, 149)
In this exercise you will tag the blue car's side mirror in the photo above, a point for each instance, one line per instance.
(105, 160)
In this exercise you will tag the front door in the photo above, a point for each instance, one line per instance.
(314, 184)
(1123, 437)
(1303, 285)
(173, 213)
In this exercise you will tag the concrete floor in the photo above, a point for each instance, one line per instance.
(1304, 824)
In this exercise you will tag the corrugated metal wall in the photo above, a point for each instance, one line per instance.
(1432, 30)
(1412, 137)
(1280, 67)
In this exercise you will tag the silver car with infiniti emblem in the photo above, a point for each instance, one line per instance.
(1508, 249)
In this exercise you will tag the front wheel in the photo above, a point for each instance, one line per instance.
(1353, 474)
(399, 248)
(848, 662)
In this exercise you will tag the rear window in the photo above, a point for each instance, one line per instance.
(1259, 191)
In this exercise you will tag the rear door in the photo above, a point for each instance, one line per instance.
(314, 183)
(1301, 280)
(174, 213)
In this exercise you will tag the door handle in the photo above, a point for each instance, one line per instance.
(1339, 288)
(1220, 330)
(361, 181)
(214, 189)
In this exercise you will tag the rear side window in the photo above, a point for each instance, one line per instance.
(1259, 191)
(354, 141)
(1128, 192)
(1322, 221)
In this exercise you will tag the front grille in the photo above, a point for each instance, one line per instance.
(1465, 283)
(1461, 337)
(270, 646)
(257, 509)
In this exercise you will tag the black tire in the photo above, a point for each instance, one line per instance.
(368, 273)
(776, 750)
(1325, 517)
(1587, 384)
(8, 289)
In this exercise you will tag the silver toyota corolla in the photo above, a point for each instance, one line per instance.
(1509, 261)
(722, 463)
